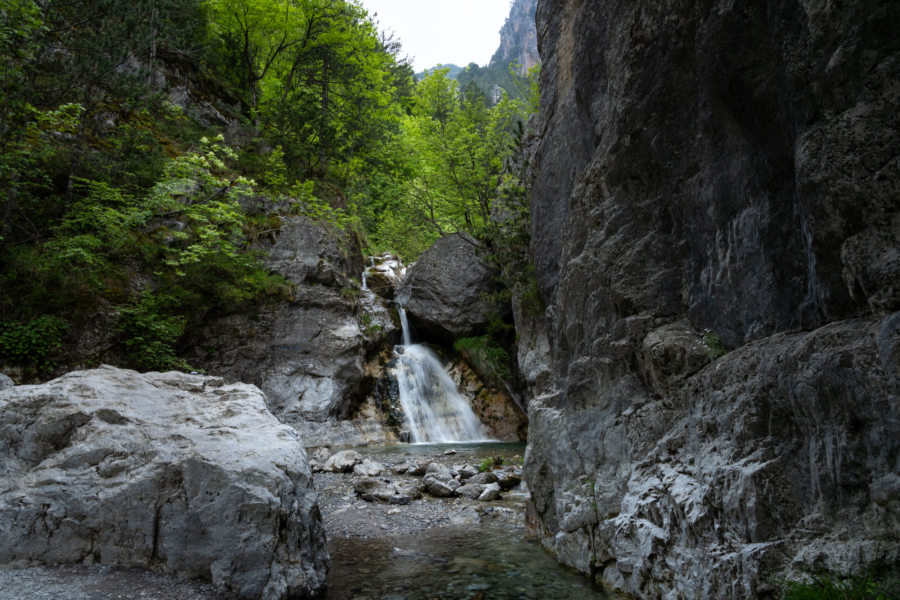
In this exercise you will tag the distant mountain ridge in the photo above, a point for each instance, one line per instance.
(518, 45)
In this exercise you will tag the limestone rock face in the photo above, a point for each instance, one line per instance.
(726, 168)
(442, 292)
(164, 471)
(308, 355)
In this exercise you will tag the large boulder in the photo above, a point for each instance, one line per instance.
(6, 381)
(163, 471)
(444, 292)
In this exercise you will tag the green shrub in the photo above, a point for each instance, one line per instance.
(714, 346)
(826, 586)
(33, 343)
(486, 357)
(485, 465)
(149, 335)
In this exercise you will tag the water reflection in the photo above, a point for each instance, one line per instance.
(490, 561)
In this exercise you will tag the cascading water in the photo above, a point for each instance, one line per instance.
(435, 411)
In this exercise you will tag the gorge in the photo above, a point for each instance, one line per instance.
(694, 328)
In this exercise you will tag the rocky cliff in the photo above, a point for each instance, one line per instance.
(518, 37)
(718, 176)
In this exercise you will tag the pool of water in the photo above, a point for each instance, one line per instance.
(475, 562)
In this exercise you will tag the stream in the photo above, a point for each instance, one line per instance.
(440, 548)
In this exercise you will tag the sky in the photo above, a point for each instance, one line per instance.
(443, 31)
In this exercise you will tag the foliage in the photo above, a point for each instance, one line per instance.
(714, 346)
(487, 357)
(34, 342)
(826, 587)
(486, 465)
(149, 336)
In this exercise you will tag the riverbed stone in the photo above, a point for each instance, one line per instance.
(490, 492)
(508, 478)
(440, 487)
(484, 478)
(6, 381)
(343, 462)
(466, 471)
(162, 471)
(371, 489)
(368, 468)
(471, 490)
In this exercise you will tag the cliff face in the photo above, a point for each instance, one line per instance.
(731, 170)
(518, 37)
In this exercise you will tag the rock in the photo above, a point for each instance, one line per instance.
(495, 408)
(164, 471)
(368, 468)
(409, 488)
(673, 352)
(466, 471)
(508, 478)
(308, 354)
(729, 169)
(440, 487)
(374, 490)
(385, 276)
(443, 471)
(443, 292)
(6, 382)
(484, 478)
(466, 515)
(417, 468)
(471, 490)
(491, 492)
(343, 462)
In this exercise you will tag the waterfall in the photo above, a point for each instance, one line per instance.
(365, 286)
(435, 411)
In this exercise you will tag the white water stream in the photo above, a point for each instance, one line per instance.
(435, 411)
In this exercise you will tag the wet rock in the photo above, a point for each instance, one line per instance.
(471, 490)
(385, 276)
(465, 516)
(443, 292)
(368, 468)
(6, 382)
(343, 462)
(491, 492)
(162, 471)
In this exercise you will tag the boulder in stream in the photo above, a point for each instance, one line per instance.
(164, 471)
(443, 293)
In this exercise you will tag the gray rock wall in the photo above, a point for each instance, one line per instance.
(727, 169)
(307, 355)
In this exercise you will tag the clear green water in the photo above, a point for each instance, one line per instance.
(477, 562)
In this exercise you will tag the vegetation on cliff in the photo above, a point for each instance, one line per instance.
(146, 146)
